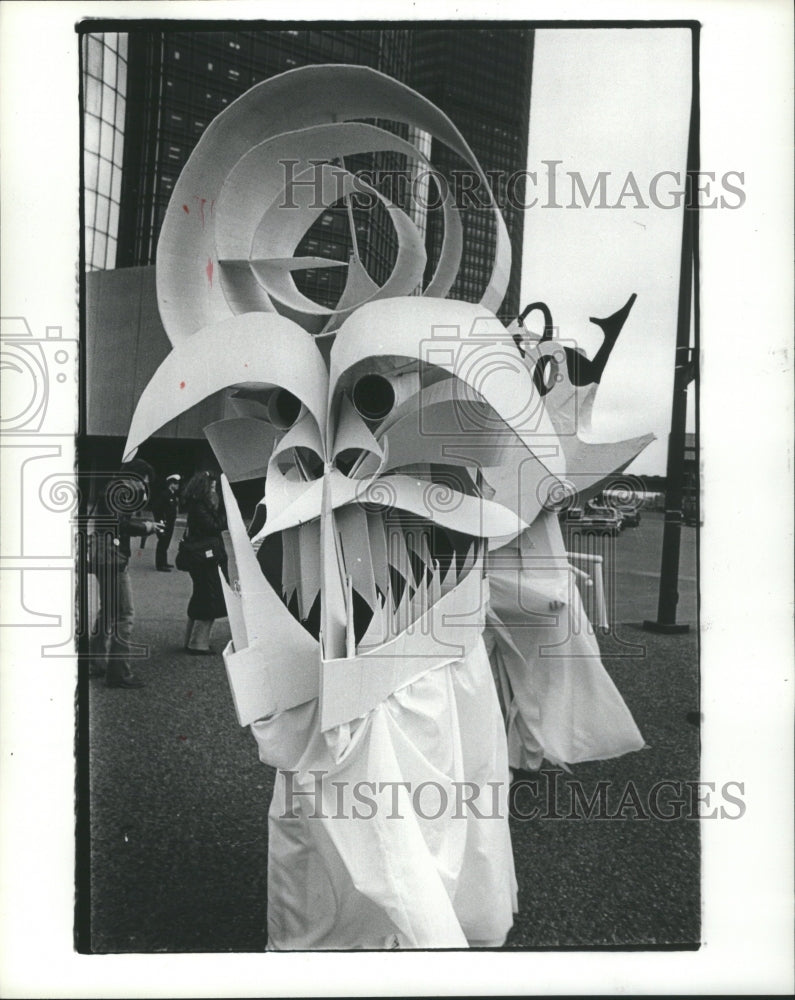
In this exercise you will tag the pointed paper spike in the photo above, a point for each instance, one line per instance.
(419, 600)
(615, 457)
(376, 630)
(469, 561)
(293, 676)
(234, 608)
(231, 567)
(427, 558)
(351, 524)
(333, 615)
(450, 578)
(250, 575)
(411, 535)
(586, 409)
(293, 264)
(350, 635)
(593, 462)
(402, 617)
(435, 591)
(291, 558)
(389, 608)
(309, 561)
(378, 554)
(397, 556)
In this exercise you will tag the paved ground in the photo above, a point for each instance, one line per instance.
(179, 800)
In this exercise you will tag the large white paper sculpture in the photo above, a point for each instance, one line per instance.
(410, 450)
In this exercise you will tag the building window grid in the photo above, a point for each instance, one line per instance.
(104, 84)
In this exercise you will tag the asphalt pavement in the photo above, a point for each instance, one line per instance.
(177, 860)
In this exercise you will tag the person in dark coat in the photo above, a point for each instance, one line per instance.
(165, 508)
(114, 524)
(205, 522)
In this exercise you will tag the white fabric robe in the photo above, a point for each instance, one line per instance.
(559, 701)
(377, 881)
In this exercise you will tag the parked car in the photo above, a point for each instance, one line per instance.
(602, 521)
(628, 512)
(606, 513)
(630, 516)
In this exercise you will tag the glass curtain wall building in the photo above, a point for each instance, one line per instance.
(104, 117)
(480, 77)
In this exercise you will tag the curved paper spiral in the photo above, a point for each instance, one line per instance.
(259, 178)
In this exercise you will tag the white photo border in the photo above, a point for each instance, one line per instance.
(746, 541)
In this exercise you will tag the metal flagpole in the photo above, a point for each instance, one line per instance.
(688, 276)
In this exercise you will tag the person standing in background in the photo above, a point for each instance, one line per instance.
(165, 508)
(110, 641)
(206, 521)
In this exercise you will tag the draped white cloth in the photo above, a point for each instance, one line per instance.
(394, 833)
(559, 701)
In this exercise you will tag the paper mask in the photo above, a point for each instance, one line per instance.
(402, 435)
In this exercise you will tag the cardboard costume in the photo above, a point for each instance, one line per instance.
(404, 442)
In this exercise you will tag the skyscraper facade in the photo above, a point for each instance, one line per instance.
(480, 77)
(104, 104)
(178, 81)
